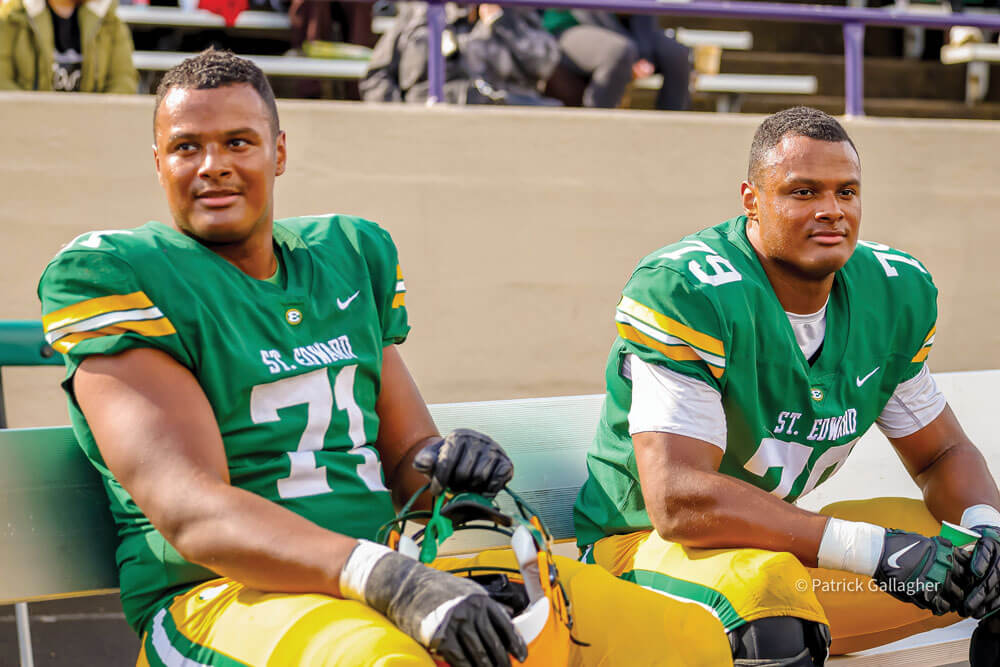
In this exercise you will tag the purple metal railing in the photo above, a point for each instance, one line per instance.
(853, 19)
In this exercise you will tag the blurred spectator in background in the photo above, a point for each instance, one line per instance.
(609, 50)
(600, 60)
(492, 56)
(67, 45)
(328, 21)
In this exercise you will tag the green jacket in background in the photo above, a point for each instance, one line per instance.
(27, 45)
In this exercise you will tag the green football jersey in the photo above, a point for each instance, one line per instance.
(704, 307)
(291, 369)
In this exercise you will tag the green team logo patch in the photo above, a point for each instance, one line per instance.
(817, 394)
(293, 316)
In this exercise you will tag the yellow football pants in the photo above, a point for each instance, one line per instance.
(220, 622)
(742, 585)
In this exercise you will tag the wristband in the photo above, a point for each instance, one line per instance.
(980, 515)
(359, 566)
(851, 545)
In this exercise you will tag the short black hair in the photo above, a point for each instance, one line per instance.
(797, 121)
(214, 68)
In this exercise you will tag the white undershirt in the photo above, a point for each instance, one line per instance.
(809, 329)
(665, 401)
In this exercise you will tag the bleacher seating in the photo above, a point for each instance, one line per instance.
(729, 87)
(761, 73)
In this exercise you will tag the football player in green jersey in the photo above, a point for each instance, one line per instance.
(751, 357)
(236, 381)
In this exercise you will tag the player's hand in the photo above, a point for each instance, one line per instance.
(451, 616)
(979, 573)
(920, 570)
(465, 460)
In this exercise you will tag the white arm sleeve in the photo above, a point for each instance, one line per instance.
(665, 401)
(915, 404)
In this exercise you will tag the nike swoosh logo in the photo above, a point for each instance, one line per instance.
(894, 559)
(861, 380)
(346, 302)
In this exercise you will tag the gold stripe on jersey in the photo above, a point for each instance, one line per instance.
(925, 350)
(675, 352)
(93, 307)
(66, 343)
(400, 298)
(158, 327)
(665, 339)
(671, 327)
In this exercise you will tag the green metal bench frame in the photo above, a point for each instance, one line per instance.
(22, 343)
(60, 537)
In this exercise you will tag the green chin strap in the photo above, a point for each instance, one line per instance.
(453, 513)
(438, 529)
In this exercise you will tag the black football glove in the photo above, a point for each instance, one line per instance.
(452, 616)
(980, 573)
(920, 570)
(465, 460)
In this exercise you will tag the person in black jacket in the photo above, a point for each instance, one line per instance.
(492, 55)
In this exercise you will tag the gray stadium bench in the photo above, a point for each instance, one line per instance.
(732, 87)
(175, 17)
(290, 66)
(60, 537)
(731, 40)
(256, 21)
(977, 59)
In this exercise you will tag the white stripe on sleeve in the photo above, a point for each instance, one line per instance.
(106, 319)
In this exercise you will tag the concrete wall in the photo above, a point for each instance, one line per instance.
(516, 228)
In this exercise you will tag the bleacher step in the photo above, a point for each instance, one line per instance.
(792, 37)
(884, 77)
(833, 104)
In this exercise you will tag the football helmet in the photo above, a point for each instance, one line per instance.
(533, 593)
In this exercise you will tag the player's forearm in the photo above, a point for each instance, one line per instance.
(252, 540)
(711, 510)
(406, 480)
(957, 480)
